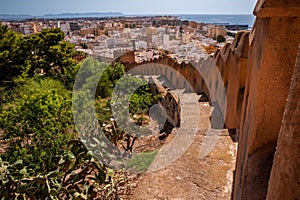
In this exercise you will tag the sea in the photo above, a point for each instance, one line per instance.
(220, 19)
(207, 18)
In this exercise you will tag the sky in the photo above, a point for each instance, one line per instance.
(41, 7)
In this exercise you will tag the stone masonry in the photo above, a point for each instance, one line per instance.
(249, 81)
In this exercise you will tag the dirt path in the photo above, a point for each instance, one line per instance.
(192, 177)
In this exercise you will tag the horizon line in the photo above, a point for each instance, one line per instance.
(92, 12)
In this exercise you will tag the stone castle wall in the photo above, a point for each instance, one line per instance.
(285, 177)
(273, 46)
(209, 76)
(249, 80)
(169, 101)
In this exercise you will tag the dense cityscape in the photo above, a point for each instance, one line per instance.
(108, 38)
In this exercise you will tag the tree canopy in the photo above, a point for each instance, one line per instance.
(44, 158)
(14, 61)
(43, 53)
(221, 38)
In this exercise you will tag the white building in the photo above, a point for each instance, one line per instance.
(110, 42)
(64, 26)
(166, 41)
(141, 45)
(26, 29)
(154, 41)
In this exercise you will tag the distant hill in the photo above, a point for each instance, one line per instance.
(14, 17)
(61, 15)
(82, 15)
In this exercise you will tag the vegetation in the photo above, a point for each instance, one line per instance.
(64, 176)
(41, 107)
(130, 90)
(231, 34)
(45, 159)
(44, 53)
(13, 53)
(44, 153)
(142, 161)
(221, 38)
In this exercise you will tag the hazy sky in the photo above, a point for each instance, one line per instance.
(39, 7)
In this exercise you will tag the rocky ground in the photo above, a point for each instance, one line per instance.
(190, 176)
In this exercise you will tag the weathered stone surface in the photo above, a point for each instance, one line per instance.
(277, 8)
(285, 177)
(237, 68)
(273, 48)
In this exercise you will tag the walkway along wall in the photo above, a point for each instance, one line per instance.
(256, 70)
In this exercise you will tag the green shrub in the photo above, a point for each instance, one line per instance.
(39, 122)
(141, 100)
(76, 175)
(221, 38)
(141, 161)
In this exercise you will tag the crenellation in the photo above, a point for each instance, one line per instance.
(217, 53)
(225, 51)
(236, 41)
(242, 49)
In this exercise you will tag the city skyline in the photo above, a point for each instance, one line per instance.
(35, 7)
